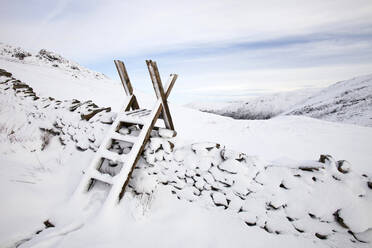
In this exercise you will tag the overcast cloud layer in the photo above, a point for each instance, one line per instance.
(221, 49)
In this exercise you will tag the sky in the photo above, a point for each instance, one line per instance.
(222, 50)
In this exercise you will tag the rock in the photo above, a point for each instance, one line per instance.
(168, 146)
(159, 155)
(339, 220)
(190, 173)
(320, 236)
(219, 199)
(325, 158)
(343, 166)
(179, 155)
(208, 178)
(48, 224)
(155, 144)
(369, 184)
(167, 133)
(204, 145)
(5, 73)
(87, 117)
(249, 218)
(109, 117)
(123, 131)
(230, 166)
(83, 144)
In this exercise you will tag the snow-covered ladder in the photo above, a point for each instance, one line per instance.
(129, 114)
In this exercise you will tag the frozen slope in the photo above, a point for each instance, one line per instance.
(51, 75)
(348, 101)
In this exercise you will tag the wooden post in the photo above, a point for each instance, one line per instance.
(126, 83)
(159, 90)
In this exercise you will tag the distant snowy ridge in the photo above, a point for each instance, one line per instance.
(257, 108)
(348, 101)
(46, 58)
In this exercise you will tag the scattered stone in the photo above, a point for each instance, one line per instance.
(340, 220)
(48, 224)
(87, 117)
(219, 199)
(325, 158)
(369, 184)
(230, 166)
(167, 133)
(343, 166)
(320, 236)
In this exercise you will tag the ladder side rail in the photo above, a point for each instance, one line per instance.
(84, 183)
(170, 83)
(124, 175)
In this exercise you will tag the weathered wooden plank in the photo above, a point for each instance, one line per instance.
(126, 82)
(157, 111)
(159, 90)
(170, 83)
(124, 77)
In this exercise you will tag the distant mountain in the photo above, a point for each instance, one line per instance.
(257, 108)
(348, 101)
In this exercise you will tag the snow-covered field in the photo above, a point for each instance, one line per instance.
(348, 101)
(226, 182)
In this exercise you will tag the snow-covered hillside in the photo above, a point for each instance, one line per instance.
(51, 75)
(256, 108)
(47, 59)
(221, 182)
(348, 101)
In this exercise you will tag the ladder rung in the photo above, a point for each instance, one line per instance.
(127, 138)
(143, 113)
(132, 119)
(135, 112)
(113, 156)
(106, 178)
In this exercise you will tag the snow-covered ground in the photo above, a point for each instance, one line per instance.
(226, 182)
(348, 101)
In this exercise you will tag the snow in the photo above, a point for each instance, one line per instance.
(261, 107)
(220, 182)
(348, 101)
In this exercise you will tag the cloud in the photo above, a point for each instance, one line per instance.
(93, 29)
(227, 46)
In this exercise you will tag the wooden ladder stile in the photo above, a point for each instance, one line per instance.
(130, 113)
